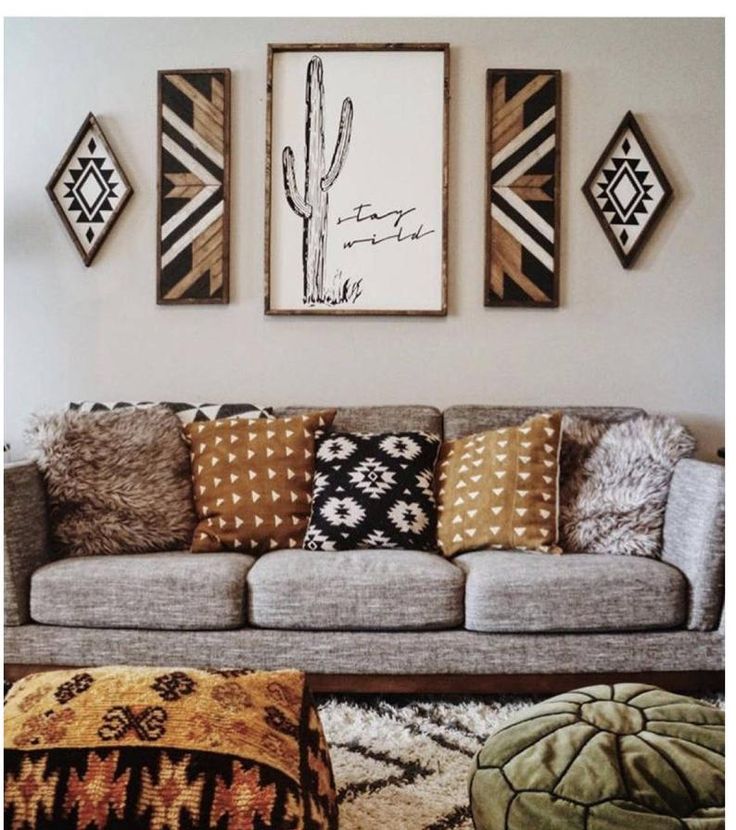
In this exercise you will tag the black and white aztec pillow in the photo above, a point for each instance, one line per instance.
(374, 491)
(187, 412)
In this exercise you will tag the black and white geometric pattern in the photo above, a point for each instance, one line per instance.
(374, 491)
(628, 190)
(405, 763)
(193, 193)
(522, 217)
(187, 412)
(89, 188)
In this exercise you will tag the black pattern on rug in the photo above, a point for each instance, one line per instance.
(404, 764)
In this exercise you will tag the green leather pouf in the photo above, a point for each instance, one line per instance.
(624, 757)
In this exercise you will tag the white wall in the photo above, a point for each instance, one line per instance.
(652, 336)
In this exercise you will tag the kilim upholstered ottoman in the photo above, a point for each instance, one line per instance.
(624, 757)
(127, 748)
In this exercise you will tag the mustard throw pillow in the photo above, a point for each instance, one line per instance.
(500, 489)
(253, 481)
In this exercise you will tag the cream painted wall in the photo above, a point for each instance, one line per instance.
(652, 336)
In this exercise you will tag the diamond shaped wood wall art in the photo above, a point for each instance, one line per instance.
(523, 185)
(628, 191)
(194, 186)
(89, 189)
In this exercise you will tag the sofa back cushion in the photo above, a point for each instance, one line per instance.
(374, 419)
(467, 419)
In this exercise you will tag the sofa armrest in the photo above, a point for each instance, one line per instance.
(694, 537)
(26, 536)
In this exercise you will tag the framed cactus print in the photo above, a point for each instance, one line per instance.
(356, 179)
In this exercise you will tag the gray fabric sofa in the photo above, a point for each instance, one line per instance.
(384, 620)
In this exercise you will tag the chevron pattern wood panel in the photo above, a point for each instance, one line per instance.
(194, 184)
(523, 183)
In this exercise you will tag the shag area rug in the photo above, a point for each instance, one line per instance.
(405, 765)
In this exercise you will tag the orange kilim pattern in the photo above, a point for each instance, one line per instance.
(161, 749)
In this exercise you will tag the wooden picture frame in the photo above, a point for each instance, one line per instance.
(523, 204)
(318, 285)
(647, 184)
(109, 190)
(193, 193)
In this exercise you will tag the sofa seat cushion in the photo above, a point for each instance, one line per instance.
(151, 591)
(523, 591)
(358, 590)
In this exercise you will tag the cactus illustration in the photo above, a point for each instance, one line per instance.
(318, 180)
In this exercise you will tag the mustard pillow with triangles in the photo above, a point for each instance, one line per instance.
(500, 489)
(253, 481)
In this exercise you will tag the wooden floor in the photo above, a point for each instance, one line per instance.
(469, 684)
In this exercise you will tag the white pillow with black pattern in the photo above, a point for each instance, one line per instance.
(374, 491)
(187, 412)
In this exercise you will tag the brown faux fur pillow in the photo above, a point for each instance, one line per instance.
(117, 482)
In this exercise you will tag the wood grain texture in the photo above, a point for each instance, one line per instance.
(523, 116)
(206, 239)
(468, 684)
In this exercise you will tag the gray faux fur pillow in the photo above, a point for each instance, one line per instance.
(117, 482)
(614, 481)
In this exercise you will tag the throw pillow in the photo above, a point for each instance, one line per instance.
(615, 479)
(187, 412)
(253, 481)
(499, 489)
(374, 491)
(117, 482)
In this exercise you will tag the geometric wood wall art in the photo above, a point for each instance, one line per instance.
(193, 186)
(628, 190)
(89, 189)
(523, 186)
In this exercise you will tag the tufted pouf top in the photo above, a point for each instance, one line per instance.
(623, 757)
